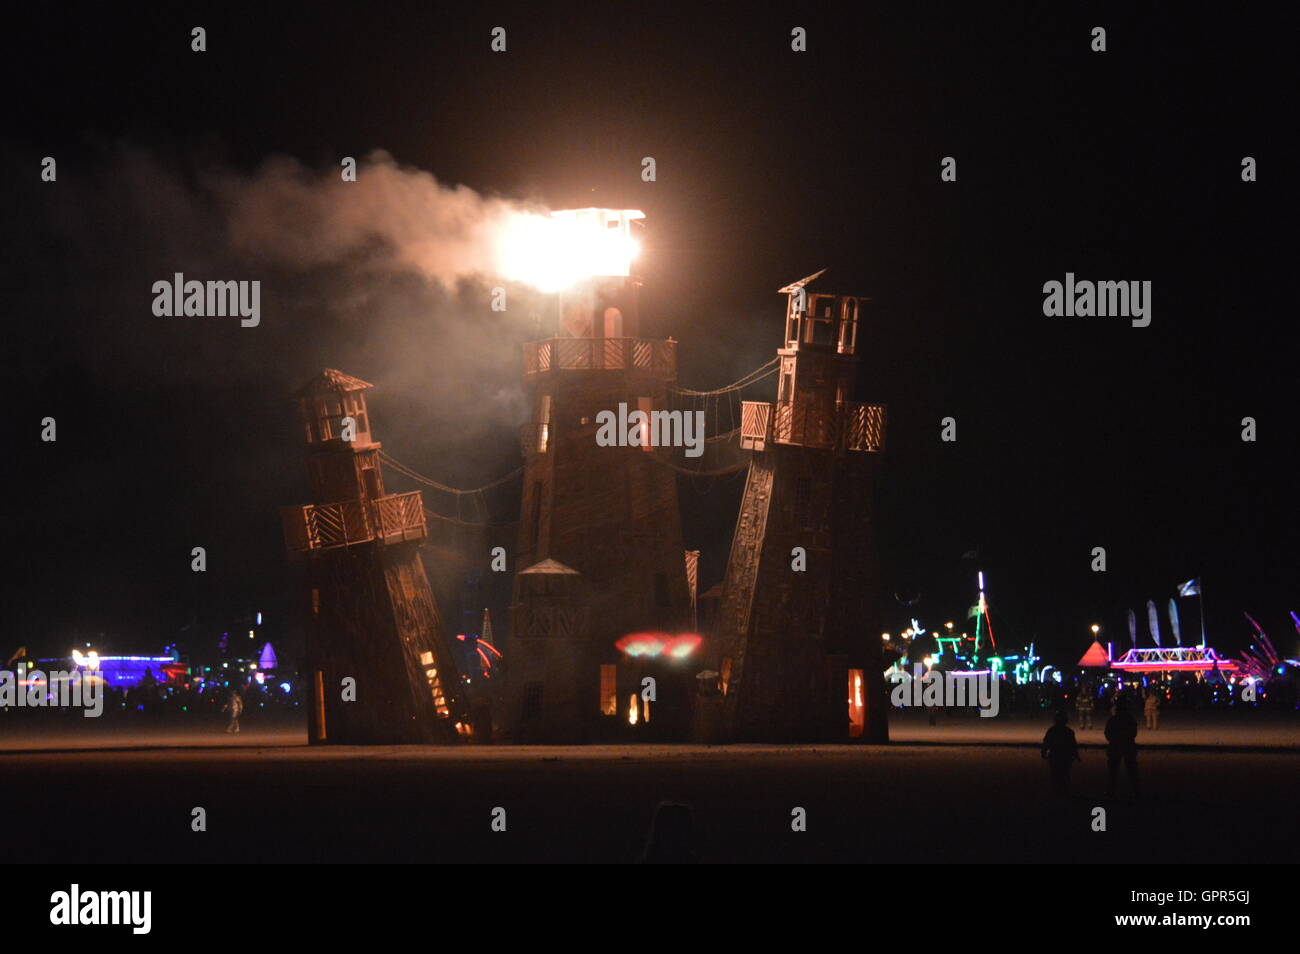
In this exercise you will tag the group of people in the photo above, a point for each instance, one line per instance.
(1061, 749)
(1083, 707)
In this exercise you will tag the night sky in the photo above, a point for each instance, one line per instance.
(1071, 432)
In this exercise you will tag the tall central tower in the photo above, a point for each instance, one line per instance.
(800, 650)
(601, 521)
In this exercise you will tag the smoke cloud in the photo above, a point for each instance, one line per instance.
(390, 217)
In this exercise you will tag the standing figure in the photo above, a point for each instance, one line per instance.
(1061, 751)
(1121, 739)
(1083, 706)
(1152, 708)
(235, 706)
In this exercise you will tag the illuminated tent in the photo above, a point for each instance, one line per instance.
(1095, 657)
(268, 662)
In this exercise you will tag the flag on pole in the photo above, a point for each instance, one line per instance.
(693, 584)
(1132, 629)
(1153, 620)
(1173, 622)
(1190, 588)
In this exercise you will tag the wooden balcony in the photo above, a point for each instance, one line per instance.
(392, 519)
(848, 426)
(654, 356)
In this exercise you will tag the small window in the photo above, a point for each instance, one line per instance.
(544, 424)
(609, 689)
(613, 323)
(857, 705)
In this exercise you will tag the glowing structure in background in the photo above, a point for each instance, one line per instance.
(122, 671)
(1261, 661)
(487, 651)
(1174, 659)
(1022, 668)
(480, 652)
(981, 610)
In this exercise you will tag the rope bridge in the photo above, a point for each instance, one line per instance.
(722, 454)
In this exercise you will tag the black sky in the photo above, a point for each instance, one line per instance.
(1072, 433)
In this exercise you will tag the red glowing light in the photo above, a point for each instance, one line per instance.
(659, 644)
(679, 647)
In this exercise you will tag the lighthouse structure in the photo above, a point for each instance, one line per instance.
(798, 634)
(599, 553)
(378, 668)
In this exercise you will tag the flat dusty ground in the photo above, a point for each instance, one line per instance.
(271, 798)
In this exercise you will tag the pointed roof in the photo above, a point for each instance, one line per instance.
(1095, 657)
(794, 286)
(332, 379)
(552, 567)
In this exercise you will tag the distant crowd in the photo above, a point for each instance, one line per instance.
(1186, 693)
(165, 701)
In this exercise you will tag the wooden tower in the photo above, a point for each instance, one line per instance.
(607, 513)
(800, 651)
(371, 616)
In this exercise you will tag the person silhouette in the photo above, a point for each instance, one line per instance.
(672, 836)
(1121, 746)
(1151, 707)
(1083, 705)
(235, 706)
(1061, 751)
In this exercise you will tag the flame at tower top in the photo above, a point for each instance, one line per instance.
(553, 253)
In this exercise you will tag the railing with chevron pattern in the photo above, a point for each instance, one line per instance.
(851, 426)
(391, 519)
(654, 355)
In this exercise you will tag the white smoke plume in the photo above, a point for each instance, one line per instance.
(391, 216)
